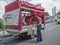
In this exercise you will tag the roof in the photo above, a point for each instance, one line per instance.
(14, 5)
(31, 5)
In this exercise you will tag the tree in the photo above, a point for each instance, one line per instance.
(58, 13)
(0, 23)
(46, 14)
(2, 26)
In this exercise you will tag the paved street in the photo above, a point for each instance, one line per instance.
(51, 36)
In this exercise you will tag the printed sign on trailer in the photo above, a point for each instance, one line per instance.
(12, 17)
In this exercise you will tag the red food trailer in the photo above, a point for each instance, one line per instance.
(20, 16)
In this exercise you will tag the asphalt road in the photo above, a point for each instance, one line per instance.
(51, 36)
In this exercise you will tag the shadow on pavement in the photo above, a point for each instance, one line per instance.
(13, 41)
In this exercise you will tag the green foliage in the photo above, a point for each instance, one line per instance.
(58, 13)
(46, 14)
(2, 26)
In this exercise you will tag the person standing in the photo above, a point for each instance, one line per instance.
(39, 35)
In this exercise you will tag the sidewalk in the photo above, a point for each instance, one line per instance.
(5, 33)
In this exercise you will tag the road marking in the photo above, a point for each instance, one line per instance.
(49, 23)
(51, 28)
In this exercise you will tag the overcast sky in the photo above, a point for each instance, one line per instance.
(47, 4)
